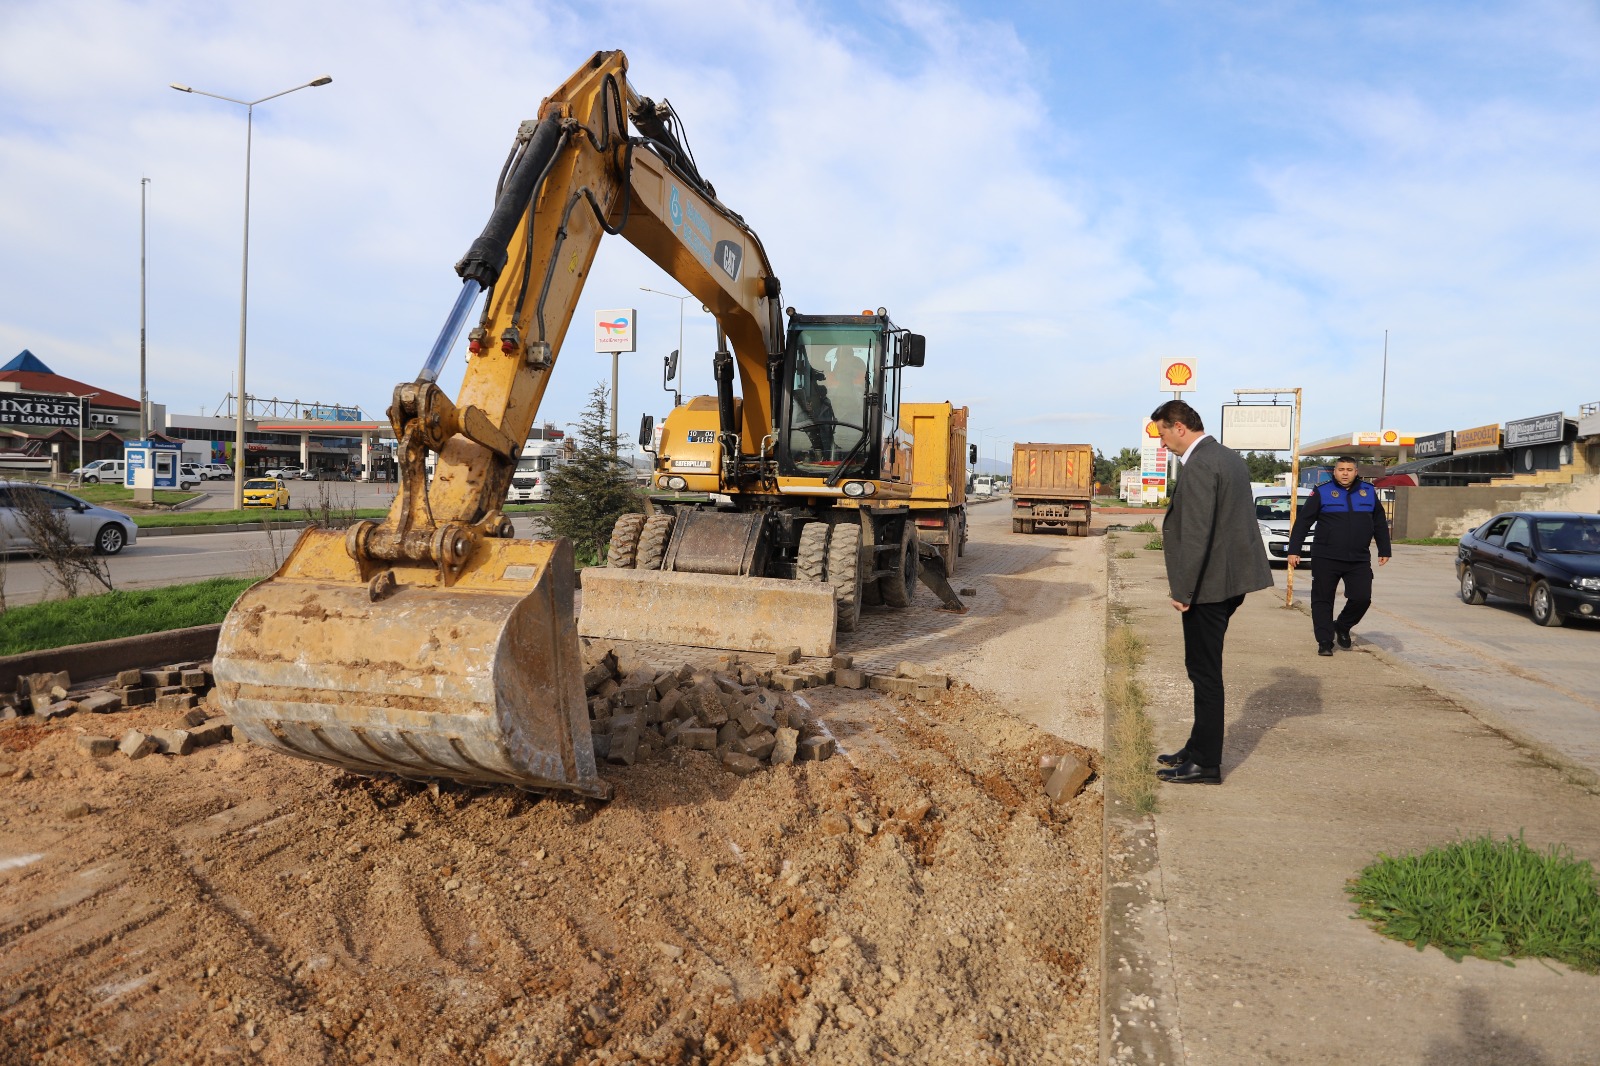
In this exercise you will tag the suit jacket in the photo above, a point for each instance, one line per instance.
(1210, 538)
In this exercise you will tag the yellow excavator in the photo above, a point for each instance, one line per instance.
(434, 645)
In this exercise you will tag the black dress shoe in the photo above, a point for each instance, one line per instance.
(1177, 758)
(1342, 636)
(1192, 773)
(1324, 649)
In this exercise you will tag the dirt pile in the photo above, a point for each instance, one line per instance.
(917, 898)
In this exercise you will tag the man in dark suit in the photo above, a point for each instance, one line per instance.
(1214, 556)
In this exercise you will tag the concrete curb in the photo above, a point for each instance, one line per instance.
(1139, 1019)
(220, 527)
(104, 658)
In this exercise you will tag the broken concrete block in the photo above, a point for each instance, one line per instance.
(135, 745)
(784, 745)
(909, 669)
(101, 702)
(58, 709)
(848, 678)
(1068, 779)
(179, 701)
(758, 746)
(96, 747)
(786, 656)
(215, 732)
(43, 683)
(40, 701)
(8, 711)
(741, 764)
(130, 679)
(815, 749)
(698, 737)
(172, 741)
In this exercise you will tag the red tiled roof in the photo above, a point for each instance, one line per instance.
(33, 381)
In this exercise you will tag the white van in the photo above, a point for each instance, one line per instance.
(111, 470)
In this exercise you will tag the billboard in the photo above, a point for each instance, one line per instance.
(1435, 444)
(1541, 429)
(1261, 427)
(1478, 439)
(613, 330)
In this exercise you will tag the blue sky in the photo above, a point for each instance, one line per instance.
(1057, 194)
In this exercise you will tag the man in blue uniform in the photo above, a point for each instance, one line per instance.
(1348, 516)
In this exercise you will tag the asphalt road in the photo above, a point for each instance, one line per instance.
(1534, 684)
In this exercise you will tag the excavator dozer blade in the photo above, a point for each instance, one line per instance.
(708, 610)
(480, 682)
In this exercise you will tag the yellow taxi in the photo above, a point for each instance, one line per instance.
(266, 492)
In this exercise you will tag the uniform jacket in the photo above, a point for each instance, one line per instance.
(1210, 537)
(1347, 520)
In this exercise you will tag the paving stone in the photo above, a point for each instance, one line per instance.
(669, 703)
(785, 742)
(754, 718)
(58, 709)
(191, 718)
(169, 690)
(97, 747)
(176, 701)
(173, 741)
(162, 678)
(8, 712)
(909, 669)
(741, 764)
(41, 702)
(101, 702)
(136, 745)
(967, 592)
(899, 686)
(130, 679)
(815, 749)
(758, 746)
(33, 684)
(624, 744)
(698, 738)
(608, 688)
(1068, 779)
(749, 675)
(194, 679)
(217, 731)
(709, 707)
(652, 713)
(138, 697)
(602, 745)
(728, 734)
(848, 678)
(788, 682)
(786, 656)
(843, 662)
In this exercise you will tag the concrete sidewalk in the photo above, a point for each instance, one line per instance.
(1229, 936)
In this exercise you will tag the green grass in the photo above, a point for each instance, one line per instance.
(1154, 544)
(1143, 527)
(60, 623)
(1130, 758)
(1452, 541)
(111, 495)
(1496, 900)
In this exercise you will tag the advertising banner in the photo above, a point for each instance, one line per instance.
(1435, 444)
(1258, 427)
(1478, 439)
(1541, 429)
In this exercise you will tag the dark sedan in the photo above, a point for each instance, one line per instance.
(1548, 560)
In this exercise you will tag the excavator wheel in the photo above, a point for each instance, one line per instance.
(811, 559)
(653, 542)
(844, 574)
(897, 587)
(624, 550)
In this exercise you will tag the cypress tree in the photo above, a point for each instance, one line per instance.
(589, 493)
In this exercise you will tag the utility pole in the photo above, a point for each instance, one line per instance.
(1383, 394)
(144, 395)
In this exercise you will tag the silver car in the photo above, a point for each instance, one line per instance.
(100, 528)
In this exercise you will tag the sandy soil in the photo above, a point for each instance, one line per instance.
(914, 899)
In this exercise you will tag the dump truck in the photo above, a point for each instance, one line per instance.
(1052, 486)
(433, 643)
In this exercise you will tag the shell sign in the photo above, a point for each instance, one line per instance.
(1177, 375)
(1152, 431)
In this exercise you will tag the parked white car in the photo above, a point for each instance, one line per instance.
(100, 528)
(189, 475)
(216, 471)
(1272, 515)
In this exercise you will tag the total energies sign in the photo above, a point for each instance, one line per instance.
(1153, 460)
(613, 330)
(1177, 375)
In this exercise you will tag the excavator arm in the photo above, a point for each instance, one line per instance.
(431, 644)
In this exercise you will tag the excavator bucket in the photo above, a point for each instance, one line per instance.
(479, 682)
(708, 610)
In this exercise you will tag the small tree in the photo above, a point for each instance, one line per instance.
(589, 493)
(65, 564)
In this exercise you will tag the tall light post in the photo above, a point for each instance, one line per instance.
(244, 276)
(680, 300)
(144, 395)
(994, 454)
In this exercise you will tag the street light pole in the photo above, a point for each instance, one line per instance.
(680, 299)
(144, 395)
(244, 274)
(81, 408)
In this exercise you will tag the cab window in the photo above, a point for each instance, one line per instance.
(833, 372)
(1495, 532)
(1519, 535)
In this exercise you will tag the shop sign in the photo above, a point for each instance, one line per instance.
(1258, 427)
(1541, 429)
(1177, 375)
(1478, 439)
(1435, 444)
(40, 409)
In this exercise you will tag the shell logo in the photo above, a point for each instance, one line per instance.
(1180, 374)
(1152, 430)
(1390, 436)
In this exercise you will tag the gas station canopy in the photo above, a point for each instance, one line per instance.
(1365, 447)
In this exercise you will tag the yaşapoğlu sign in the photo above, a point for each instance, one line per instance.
(1541, 429)
(1434, 444)
(1478, 439)
(42, 409)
